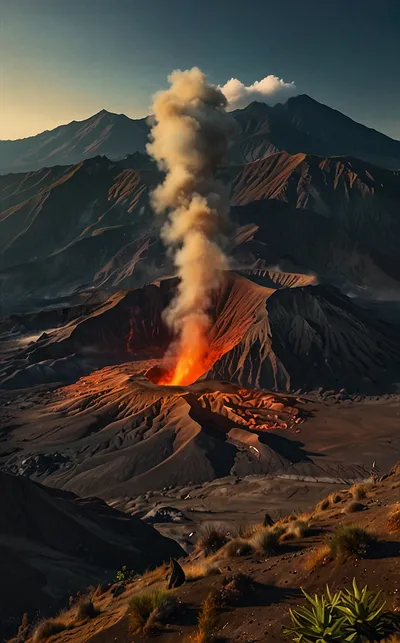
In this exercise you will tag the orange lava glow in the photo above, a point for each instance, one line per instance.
(191, 364)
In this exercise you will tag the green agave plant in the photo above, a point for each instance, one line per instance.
(345, 616)
(320, 623)
(363, 610)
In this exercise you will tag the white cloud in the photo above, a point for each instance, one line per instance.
(270, 89)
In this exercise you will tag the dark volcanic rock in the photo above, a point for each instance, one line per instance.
(165, 514)
(54, 544)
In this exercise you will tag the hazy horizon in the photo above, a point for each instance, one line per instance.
(67, 61)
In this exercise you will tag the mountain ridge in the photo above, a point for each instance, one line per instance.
(95, 217)
(301, 124)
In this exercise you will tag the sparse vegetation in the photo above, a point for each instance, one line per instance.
(48, 628)
(393, 522)
(150, 610)
(201, 569)
(295, 529)
(353, 507)
(212, 540)
(237, 547)
(323, 505)
(359, 491)
(266, 541)
(156, 574)
(352, 615)
(317, 557)
(245, 531)
(349, 540)
(86, 609)
(206, 621)
(124, 574)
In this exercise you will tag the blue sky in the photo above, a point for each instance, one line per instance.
(66, 59)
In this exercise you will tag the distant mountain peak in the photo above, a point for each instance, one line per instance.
(255, 107)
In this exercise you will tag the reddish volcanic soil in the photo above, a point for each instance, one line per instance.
(260, 613)
(78, 410)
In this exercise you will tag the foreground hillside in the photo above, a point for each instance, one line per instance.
(53, 544)
(250, 583)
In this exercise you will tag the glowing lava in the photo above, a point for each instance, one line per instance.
(193, 360)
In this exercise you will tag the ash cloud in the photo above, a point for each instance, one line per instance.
(189, 139)
(270, 90)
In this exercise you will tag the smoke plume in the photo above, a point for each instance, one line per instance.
(270, 89)
(189, 139)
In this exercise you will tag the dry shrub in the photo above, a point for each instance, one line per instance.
(360, 490)
(396, 468)
(290, 518)
(101, 589)
(317, 557)
(245, 531)
(86, 609)
(335, 498)
(298, 528)
(149, 611)
(206, 621)
(153, 575)
(201, 569)
(237, 547)
(266, 541)
(48, 628)
(393, 521)
(352, 507)
(323, 505)
(349, 540)
(212, 540)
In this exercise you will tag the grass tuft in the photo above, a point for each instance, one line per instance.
(86, 609)
(237, 547)
(317, 557)
(353, 507)
(335, 498)
(359, 491)
(48, 628)
(351, 541)
(266, 541)
(393, 521)
(201, 570)
(206, 622)
(212, 540)
(149, 611)
(298, 528)
(323, 505)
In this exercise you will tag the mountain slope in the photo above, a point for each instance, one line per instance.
(300, 125)
(90, 226)
(114, 135)
(53, 544)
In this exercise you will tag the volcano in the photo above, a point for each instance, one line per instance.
(84, 407)
(297, 388)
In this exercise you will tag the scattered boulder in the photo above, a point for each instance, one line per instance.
(177, 575)
(165, 514)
